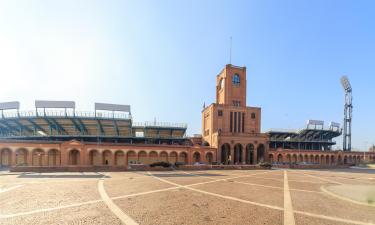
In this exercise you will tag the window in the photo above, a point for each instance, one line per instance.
(236, 80)
(236, 103)
(220, 113)
(252, 115)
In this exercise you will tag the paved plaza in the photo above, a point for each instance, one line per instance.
(189, 197)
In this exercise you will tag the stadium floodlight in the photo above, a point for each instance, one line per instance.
(346, 84)
(348, 108)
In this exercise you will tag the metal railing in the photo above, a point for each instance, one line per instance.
(83, 114)
(159, 124)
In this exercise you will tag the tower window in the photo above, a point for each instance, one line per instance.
(252, 115)
(236, 103)
(236, 80)
(220, 113)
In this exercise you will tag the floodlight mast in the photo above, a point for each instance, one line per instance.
(348, 109)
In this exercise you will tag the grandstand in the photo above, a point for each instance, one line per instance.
(108, 123)
(313, 137)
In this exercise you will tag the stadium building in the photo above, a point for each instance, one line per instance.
(54, 134)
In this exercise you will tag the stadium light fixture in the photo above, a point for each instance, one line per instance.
(346, 84)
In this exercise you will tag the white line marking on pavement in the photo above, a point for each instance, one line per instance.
(118, 197)
(9, 189)
(320, 178)
(332, 218)
(259, 185)
(288, 207)
(344, 198)
(48, 209)
(217, 195)
(112, 206)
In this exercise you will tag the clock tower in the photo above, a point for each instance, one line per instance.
(231, 126)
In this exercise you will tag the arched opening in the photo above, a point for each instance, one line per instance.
(196, 157)
(142, 157)
(358, 159)
(163, 157)
(74, 157)
(350, 159)
(183, 158)
(306, 158)
(311, 159)
(237, 154)
(21, 157)
(225, 154)
(300, 158)
(6, 157)
(271, 158)
(38, 155)
(106, 155)
(279, 158)
(339, 160)
(119, 158)
(327, 159)
(345, 159)
(317, 159)
(250, 154)
(322, 159)
(332, 159)
(260, 153)
(288, 159)
(173, 157)
(53, 157)
(209, 157)
(294, 159)
(94, 158)
(153, 157)
(131, 157)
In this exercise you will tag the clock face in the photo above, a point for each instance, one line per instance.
(221, 84)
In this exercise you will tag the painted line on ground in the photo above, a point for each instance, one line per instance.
(49, 209)
(126, 219)
(259, 185)
(100, 200)
(323, 179)
(288, 207)
(344, 198)
(332, 218)
(9, 189)
(217, 195)
(310, 214)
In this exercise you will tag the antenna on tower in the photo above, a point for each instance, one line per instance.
(230, 50)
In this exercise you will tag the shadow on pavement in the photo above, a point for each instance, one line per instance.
(186, 175)
(95, 176)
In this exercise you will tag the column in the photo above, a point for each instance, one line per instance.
(255, 154)
(29, 157)
(64, 157)
(244, 156)
(13, 161)
(231, 155)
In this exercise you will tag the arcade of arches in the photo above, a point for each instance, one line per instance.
(320, 157)
(77, 154)
(241, 154)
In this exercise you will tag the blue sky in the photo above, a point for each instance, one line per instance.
(161, 57)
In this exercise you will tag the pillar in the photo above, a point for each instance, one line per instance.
(231, 155)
